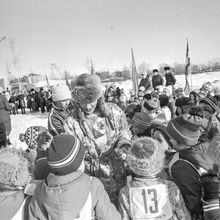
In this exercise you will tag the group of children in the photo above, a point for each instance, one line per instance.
(171, 165)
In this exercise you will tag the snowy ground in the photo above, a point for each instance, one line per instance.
(21, 122)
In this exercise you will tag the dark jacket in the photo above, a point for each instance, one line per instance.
(146, 83)
(170, 79)
(187, 177)
(5, 107)
(56, 120)
(157, 80)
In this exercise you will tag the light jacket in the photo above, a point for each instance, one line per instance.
(62, 197)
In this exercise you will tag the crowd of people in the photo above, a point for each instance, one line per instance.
(154, 155)
(33, 101)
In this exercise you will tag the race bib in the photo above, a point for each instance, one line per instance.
(150, 202)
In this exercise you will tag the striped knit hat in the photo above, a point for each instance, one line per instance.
(65, 154)
(211, 102)
(185, 129)
(142, 120)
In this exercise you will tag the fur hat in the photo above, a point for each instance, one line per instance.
(30, 136)
(65, 154)
(185, 129)
(13, 168)
(166, 68)
(141, 88)
(86, 88)
(60, 93)
(146, 156)
(155, 70)
(1, 90)
(213, 150)
(182, 101)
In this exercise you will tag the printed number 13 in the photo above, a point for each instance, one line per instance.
(152, 207)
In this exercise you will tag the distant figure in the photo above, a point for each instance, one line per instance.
(157, 79)
(145, 81)
(170, 79)
(42, 99)
(5, 119)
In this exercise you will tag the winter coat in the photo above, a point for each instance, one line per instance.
(10, 203)
(56, 120)
(170, 79)
(186, 171)
(62, 197)
(175, 207)
(157, 80)
(146, 83)
(21, 101)
(103, 137)
(5, 107)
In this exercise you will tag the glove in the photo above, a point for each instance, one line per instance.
(210, 185)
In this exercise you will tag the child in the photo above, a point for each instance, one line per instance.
(191, 161)
(14, 176)
(67, 192)
(148, 196)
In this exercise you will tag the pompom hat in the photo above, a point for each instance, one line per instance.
(65, 154)
(145, 157)
(86, 88)
(31, 134)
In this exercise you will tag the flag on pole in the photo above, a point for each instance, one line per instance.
(134, 75)
(92, 70)
(187, 70)
(66, 78)
(48, 84)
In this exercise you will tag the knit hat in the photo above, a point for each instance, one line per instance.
(65, 154)
(141, 88)
(201, 94)
(142, 120)
(13, 168)
(30, 136)
(208, 87)
(86, 88)
(185, 129)
(60, 93)
(152, 104)
(211, 102)
(168, 90)
(146, 156)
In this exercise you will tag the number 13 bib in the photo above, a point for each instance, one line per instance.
(150, 202)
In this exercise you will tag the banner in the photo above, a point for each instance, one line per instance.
(134, 75)
(187, 70)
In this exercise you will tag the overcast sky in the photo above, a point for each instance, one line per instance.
(67, 32)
